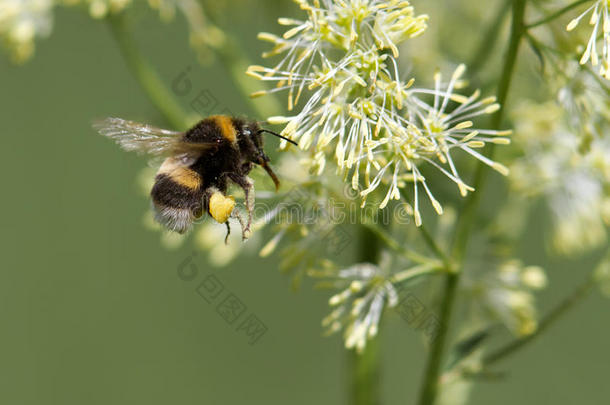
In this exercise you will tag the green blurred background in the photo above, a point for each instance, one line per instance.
(93, 310)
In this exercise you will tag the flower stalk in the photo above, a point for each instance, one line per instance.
(364, 366)
(430, 385)
(396, 246)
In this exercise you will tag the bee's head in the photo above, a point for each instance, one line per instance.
(254, 151)
(251, 143)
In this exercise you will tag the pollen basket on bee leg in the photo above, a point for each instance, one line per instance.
(221, 206)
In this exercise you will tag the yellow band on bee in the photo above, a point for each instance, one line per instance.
(221, 206)
(226, 127)
(175, 170)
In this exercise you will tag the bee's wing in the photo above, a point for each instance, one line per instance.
(142, 138)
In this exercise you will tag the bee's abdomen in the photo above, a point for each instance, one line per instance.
(177, 196)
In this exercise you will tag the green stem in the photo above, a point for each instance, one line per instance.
(414, 272)
(430, 384)
(435, 248)
(393, 244)
(364, 366)
(162, 98)
(557, 14)
(365, 375)
(465, 221)
(429, 389)
(569, 302)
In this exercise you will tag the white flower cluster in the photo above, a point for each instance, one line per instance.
(365, 291)
(506, 295)
(586, 104)
(377, 128)
(359, 306)
(574, 182)
(600, 22)
(21, 22)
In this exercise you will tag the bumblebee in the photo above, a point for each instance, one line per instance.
(198, 166)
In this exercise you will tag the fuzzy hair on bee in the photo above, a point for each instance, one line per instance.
(198, 167)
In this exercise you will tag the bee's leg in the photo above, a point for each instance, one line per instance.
(248, 186)
(249, 196)
(228, 232)
(245, 231)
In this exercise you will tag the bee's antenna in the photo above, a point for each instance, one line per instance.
(278, 135)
